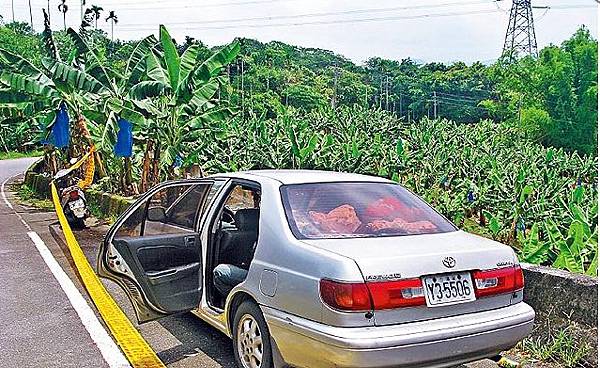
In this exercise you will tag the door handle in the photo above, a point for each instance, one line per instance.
(189, 241)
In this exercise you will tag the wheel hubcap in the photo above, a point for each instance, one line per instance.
(249, 342)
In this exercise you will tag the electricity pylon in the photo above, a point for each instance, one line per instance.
(520, 34)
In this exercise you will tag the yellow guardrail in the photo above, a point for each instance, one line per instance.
(136, 349)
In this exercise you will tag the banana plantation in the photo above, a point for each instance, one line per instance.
(174, 106)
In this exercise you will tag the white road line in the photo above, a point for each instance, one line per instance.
(109, 350)
(8, 204)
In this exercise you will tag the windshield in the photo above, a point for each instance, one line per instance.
(354, 210)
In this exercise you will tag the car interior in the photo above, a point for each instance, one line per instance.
(236, 234)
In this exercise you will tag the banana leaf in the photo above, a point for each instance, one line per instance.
(24, 84)
(215, 63)
(73, 77)
(136, 64)
(148, 89)
(171, 57)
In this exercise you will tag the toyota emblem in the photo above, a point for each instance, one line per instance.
(449, 262)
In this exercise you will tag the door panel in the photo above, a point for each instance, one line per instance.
(167, 268)
(156, 256)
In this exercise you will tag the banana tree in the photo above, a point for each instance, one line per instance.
(103, 113)
(177, 93)
(56, 81)
(24, 86)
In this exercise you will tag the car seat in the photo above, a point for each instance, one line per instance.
(237, 245)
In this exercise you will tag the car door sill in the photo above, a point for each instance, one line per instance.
(212, 317)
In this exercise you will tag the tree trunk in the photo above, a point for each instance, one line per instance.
(53, 164)
(127, 178)
(146, 167)
(4, 144)
(30, 15)
(195, 171)
(155, 164)
(101, 172)
(482, 221)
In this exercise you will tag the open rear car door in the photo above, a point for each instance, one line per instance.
(154, 251)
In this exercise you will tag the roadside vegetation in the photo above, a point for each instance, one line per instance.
(507, 150)
(30, 197)
(8, 155)
(562, 347)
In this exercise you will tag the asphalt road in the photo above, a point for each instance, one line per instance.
(37, 323)
(39, 326)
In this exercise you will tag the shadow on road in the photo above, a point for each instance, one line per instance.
(196, 337)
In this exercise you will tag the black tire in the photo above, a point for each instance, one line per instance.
(246, 309)
(77, 224)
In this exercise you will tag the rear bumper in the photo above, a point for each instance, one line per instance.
(436, 343)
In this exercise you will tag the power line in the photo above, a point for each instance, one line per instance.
(457, 100)
(145, 7)
(337, 21)
(230, 3)
(572, 6)
(458, 96)
(458, 104)
(326, 14)
(213, 5)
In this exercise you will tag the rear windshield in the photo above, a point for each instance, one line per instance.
(355, 210)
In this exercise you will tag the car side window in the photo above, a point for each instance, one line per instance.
(242, 197)
(183, 211)
(173, 209)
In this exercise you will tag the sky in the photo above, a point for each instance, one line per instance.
(424, 30)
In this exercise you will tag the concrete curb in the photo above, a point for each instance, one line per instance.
(562, 293)
(111, 205)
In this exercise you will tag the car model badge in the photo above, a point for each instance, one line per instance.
(449, 262)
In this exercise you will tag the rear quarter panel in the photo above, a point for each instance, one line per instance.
(298, 267)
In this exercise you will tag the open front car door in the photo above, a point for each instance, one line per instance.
(154, 251)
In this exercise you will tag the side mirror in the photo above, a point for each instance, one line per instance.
(157, 214)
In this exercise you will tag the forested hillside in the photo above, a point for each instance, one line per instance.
(553, 98)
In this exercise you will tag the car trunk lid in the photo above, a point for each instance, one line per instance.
(383, 259)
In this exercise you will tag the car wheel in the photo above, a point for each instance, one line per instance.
(251, 338)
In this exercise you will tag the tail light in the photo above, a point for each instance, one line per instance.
(74, 195)
(373, 295)
(396, 294)
(345, 295)
(498, 281)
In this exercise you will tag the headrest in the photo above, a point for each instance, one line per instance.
(246, 219)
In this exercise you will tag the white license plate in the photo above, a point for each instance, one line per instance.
(449, 288)
(76, 204)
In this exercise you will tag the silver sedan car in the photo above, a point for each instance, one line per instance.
(318, 269)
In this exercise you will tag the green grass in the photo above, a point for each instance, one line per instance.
(29, 197)
(561, 346)
(12, 154)
(98, 213)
